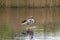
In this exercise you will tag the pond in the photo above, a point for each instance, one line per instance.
(47, 19)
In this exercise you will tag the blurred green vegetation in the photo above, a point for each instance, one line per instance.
(53, 27)
(6, 32)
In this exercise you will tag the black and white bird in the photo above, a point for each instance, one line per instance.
(28, 21)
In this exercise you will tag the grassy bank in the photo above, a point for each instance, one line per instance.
(29, 3)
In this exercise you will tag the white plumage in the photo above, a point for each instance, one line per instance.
(28, 22)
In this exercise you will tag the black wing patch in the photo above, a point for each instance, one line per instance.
(24, 21)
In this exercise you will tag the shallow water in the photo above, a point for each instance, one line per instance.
(40, 36)
(47, 20)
